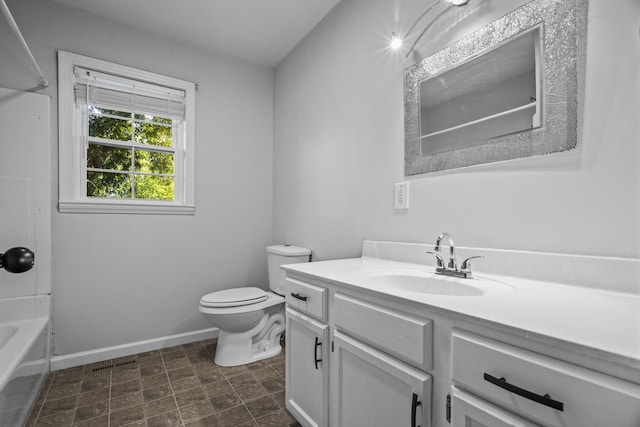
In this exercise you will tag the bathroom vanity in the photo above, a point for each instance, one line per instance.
(379, 341)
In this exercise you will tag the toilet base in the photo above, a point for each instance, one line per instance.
(232, 358)
(260, 343)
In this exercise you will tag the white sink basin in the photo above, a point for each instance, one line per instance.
(424, 282)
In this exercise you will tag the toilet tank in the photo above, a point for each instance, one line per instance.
(278, 255)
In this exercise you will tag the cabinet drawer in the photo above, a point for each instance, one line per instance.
(407, 337)
(468, 410)
(306, 298)
(547, 390)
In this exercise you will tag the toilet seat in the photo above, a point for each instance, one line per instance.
(272, 300)
(235, 297)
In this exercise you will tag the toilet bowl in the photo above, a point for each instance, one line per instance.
(250, 327)
(250, 319)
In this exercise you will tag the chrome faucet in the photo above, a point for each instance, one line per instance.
(453, 263)
(451, 268)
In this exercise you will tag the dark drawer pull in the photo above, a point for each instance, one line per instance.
(414, 407)
(545, 400)
(315, 352)
(298, 296)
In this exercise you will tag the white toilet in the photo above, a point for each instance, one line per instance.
(250, 319)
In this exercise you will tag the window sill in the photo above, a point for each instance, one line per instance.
(110, 207)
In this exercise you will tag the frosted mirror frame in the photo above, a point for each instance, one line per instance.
(562, 25)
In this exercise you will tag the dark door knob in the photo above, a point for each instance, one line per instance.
(17, 260)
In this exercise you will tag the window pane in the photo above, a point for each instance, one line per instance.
(153, 162)
(109, 185)
(154, 187)
(100, 111)
(106, 157)
(148, 118)
(149, 133)
(109, 128)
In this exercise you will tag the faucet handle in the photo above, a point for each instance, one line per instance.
(439, 259)
(466, 264)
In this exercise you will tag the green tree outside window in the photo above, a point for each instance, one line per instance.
(119, 164)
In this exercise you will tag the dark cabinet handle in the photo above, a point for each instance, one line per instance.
(545, 400)
(315, 352)
(298, 296)
(414, 407)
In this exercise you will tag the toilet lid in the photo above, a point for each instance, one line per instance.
(234, 297)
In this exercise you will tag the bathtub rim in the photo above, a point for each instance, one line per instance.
(19, 345)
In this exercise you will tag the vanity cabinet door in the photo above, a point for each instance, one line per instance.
(370, 388)
(470, 411)
(307, 369)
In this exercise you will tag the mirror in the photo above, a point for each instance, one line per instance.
(506, 91)
(492, 95)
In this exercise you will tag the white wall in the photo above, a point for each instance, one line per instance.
(339, 144)
(25, 208)
(124, 278)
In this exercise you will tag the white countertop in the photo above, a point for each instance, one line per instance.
(602, 323)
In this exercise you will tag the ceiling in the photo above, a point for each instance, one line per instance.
(261, 31)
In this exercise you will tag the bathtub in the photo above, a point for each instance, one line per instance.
(24, 356)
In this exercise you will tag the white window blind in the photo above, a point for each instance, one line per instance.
(119, 93)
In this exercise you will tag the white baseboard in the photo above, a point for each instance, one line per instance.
(107, 353)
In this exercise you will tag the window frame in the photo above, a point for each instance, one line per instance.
(72, 159)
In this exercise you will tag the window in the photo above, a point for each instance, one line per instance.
(126, 139)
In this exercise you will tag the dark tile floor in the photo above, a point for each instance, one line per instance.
(177, 386)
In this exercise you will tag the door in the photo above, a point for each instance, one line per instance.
(307, 369)
(470, 411)
(370, 388)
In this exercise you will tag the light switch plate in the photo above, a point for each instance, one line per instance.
(401, 195)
